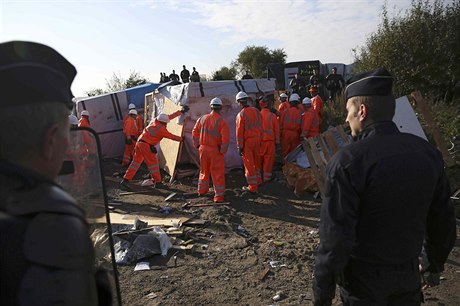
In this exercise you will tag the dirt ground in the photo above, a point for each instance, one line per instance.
(247, 252)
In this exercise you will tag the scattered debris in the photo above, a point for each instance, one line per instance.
(151, 295)
(142, 266)
(262, 275)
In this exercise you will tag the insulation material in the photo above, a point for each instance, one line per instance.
(168, 149)
(406, 119)
(299, 179)
(197, 96)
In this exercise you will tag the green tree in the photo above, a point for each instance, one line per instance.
(117, 82)
(254, 59)
(421, 48)
(226, 73)
(135, 79)
(95, 92)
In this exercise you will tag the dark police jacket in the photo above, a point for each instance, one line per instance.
(46, 255)
(384, 195)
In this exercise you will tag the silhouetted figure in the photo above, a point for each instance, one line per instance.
(247, 76)
(195, 76)
(185, 75)
(165, 77)
(217, 77)
(173, 76)
(319, 81)
(334, 83)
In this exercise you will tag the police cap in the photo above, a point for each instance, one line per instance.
(31, 72)
(373, 83)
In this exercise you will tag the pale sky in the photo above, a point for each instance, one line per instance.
(103, 37)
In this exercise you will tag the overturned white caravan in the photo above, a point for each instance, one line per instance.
(197, 96)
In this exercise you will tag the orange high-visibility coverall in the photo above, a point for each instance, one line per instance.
(248, 138)
(212, 136)
(317, 104)
(88, 140)
(302, 108)
(283, 107)
(139, 122)
(131, 133)
(290, 128)
(310, 123)
(270, 137)
(151, 136)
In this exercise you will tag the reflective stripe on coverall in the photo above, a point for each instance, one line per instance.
(248, 138)
(212, 135)
(139, 122)
(130, 130)
(310, 123)
(290, 129)
(270, 136)
(151, 135)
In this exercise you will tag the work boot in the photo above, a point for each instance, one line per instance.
(125, 183)
(246, 188)
(148, 183)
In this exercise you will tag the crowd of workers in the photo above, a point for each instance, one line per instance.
(259, 130)
(387, 195)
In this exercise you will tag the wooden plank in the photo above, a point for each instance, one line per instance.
(314, 163)
(331, 141)
(169, 149)
(343, 135)
(433, 127)
(324, 147)
(116, 218)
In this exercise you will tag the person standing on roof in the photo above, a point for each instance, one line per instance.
(311, 122)
(145, 150)
(270, 139)
(318, 80)
(131, 133)
(211, 136)
(185, 75)
(195, 76)
(248, 138)
(139, 120)
(173, 76)
(387, 195)
(247, 76)
(290, 126)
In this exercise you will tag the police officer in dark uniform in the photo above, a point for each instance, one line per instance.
(334, 83)
(386, 196)
(46, 255)
(185, 75)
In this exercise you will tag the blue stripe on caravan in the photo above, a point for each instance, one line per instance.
(237, 87)
(201, 89)
(242, 86)
(114, 107)
(83, 104)
(118, 106)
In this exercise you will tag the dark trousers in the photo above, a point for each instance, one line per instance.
(366, 284)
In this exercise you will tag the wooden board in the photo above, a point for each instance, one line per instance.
(169, 149)
(116, 218)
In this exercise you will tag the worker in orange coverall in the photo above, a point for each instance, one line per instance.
(89, 143)
(284, 103)
(139, 120)
(131, 133)
(248, 138)
(211, 136)
(290, 126)
(310, 120)
(145, 149)
(316, 101)
(270, 139)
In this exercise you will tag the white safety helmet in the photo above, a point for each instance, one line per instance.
(131, 106)
(85, 113)
(294, 97)
(241, 95)
(132, 112)
(73, 120)
(163, 118)
(306, 101)
(216, 101)
(283, 95)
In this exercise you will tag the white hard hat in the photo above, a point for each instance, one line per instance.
(85, 113)
(294, 97)
(131, 106)
(73, 120)
(306, 100)
(132, 112)
(283, 95)
(216, 101)
(163, 118)
(241, 95)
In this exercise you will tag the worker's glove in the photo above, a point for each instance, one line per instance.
(128, 141)
(430, 279)
(240, 151)
(185, 109)
(153, 149)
